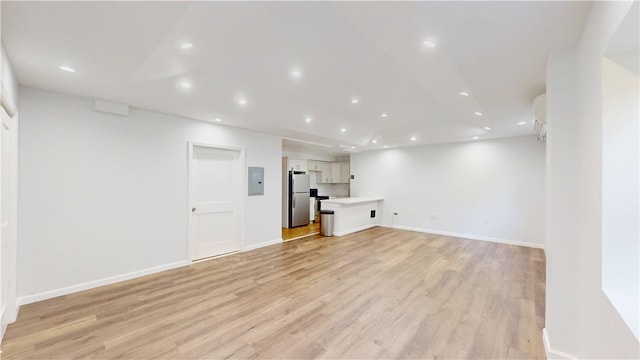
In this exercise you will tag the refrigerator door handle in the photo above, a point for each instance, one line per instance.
(294, 202)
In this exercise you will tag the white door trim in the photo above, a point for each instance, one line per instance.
(7, 103)
(191, 245)
(9, 311)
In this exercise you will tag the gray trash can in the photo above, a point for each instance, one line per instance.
(326, 222)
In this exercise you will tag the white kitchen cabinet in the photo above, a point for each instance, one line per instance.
(297, 164)
(314, 165)
(331, 172)
(345, 172)
(325, 173)
(335, 172)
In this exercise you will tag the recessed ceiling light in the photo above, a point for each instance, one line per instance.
(478, 113)
(217, 120)
(429, 43)
(296, 73)
(343, 130)
(185, 46)
(374, 141)
(475, 138)
(308, 120)
(355, 101)
(185, 85)
(522, 122)
(384, 115)
(487, 128)
(463, 93)
(242, 101)
(353, 147)
(67, 68)
(413, 138)
(385, 146)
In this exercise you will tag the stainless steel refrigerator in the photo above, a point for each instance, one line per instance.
(298, 199)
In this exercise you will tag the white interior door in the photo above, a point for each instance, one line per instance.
(215, 193)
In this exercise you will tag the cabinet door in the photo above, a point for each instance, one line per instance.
(298, 165)
(325, 169)
(345, 172)
(314, 165)
(335, 172)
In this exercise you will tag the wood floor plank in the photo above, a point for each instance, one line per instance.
(379, 293)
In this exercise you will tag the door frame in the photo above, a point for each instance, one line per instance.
(239, 198)
(9, 311)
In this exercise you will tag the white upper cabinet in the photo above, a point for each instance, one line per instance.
(325, 172)
(297, 164)
(315, 165)
(345, 172)
(335, 172)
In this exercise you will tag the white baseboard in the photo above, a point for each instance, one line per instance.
(356, 229)
(262, 244)
(468, 236)
(551, 353)
(97, 283)
(118, 278)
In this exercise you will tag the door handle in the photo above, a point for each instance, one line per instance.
(193, 209)
(294, 202)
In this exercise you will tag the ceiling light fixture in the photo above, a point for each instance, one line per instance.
(343, 130)
(385, 146)
(186, 46)
(487, 128)
(353, 147)
(67, 68)
(355, 101)
(185, 85)
(384, 115)
(475, 138)
(217, 120)
(477, 113)
(522, 122)
(463, 93)
(429, 43)
(413, 138)
(242, 101)
(374, 141)
(308, 120)
(296, 73)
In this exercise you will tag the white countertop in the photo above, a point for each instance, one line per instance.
(352, 200)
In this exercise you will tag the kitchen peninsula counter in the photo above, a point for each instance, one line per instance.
(354, 213)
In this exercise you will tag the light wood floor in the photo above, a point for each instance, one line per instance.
(380, 293)
(300, 231)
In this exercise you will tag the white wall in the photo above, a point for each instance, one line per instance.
(104, 196)
(620, 196)
(490, 190)
(562, 206)
(580, 320)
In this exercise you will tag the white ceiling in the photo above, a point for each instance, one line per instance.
(130, 52)
(624, 45)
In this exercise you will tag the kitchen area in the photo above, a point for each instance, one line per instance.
(309, 179)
